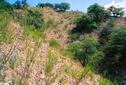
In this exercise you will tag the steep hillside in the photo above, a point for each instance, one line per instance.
(31, 56)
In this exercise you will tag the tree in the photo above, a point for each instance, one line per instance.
(85, 23)
(45, 5)
(115, 12)
(62, 7)
(97, 12)
(116, 49)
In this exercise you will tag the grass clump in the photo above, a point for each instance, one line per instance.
(51, 61)
(4, 31)
(53, 43)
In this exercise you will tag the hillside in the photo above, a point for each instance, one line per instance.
(37, 47)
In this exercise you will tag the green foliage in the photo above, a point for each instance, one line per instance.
(4, 5)
(12, 62)
(35, 18)
(104, 81)
(4, 31)
(85, 23)
(75, 74)
(116, 47)
(32, 23)
(89, 48)
(98, 13)
(45, 5)
(31, 17)
(73, 36)
(106, 31)
(62, 7)
(38, 35)
(59, 7)
(53, 43)
(115, 12)
(86, 51)
(51, 61)
(74, 47)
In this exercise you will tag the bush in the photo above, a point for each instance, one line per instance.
(89, 48)
(86, 23)
(98, 13)
(115, 50)
(35, 18)
(106, 31)
(86, 51)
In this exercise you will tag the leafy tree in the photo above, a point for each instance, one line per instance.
(115, 12)
(115, 50)
(98, 13)
(85, 23)
(45, 5)
(62, 6)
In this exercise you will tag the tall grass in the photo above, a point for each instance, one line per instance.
(5, 19)
(51, 61)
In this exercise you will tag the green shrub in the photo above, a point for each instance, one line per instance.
(53, 43)
(85, 23)
(87, 53)
(106, 31)
(73, 37)
(98, 13)
(116, 48)
(74, 47)
(35, 18)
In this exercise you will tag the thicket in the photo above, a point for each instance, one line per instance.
(105, 51)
